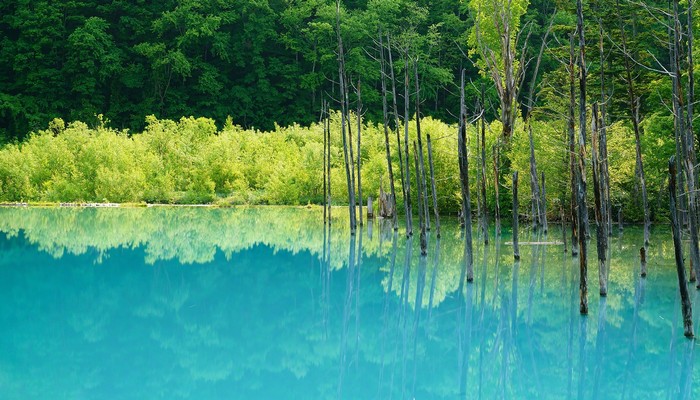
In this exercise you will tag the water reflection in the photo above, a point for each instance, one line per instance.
(278, 305)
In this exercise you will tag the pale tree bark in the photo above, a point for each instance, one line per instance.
(421, 159)
(573, 171)
(686, 305)
(359, 141)
(581, 200)
(385, 114)
(343, 123)
(464, 183)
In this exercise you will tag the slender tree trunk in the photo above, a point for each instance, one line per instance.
(534, 185)
(359, 154)
(351, 147)
(603, 143)
(643, 260)
(516, 249)
(634, 111)
(543, 205)
(687, 144)
(327, 123)
(422, 177)
(582, 210)
(573, 172)
(484, 208)
(404, 182)
(686, 305)
(407, 173)
(325, 170)
(432, 183)
(599, 193)
(385, 114)
(464, 182)
(496, 186)
(343, 117)
(421, 205)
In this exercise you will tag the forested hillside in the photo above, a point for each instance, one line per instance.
(120, 68)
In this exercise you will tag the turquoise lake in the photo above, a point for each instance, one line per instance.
(264, 303)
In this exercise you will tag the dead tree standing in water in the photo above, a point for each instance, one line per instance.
(686, 305)
(343, 123)
(421, 171)
(405, 184)
(573, 172)
(634, 112)
(599, 193)
(484, 208)
(432, 183)
(516, 249)
(581, 200)
(422, 200)
(385, 114)
(464, 182)
(359, 141)
(496, 186)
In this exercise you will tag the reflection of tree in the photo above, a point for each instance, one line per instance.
(269, 317)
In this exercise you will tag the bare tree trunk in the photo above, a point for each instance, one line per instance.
(543, 206)
(582, 210)
(484, 208)
(421, 206)
(464, 182)
(407, 173)
(516, 249)
(325, 159)
(385, 114)
(422, 177)
(687, 144)
(643, 260)
(343, 113)
(603, 143)
(406, 193)
(634, 111)
(496, 186)
(359, 154)
(327, 123)
(432, 182)
(573, 174)
(534, 185)
(686, 305)
(599, 192)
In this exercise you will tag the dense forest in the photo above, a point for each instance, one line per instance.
(256, 73)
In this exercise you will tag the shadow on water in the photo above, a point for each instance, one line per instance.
(272, 303)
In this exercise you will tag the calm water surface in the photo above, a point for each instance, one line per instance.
(262, 303)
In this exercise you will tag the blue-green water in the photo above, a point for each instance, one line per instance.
(262, 303)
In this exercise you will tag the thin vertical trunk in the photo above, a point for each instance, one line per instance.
(464, 182)
(573, 174)
(327, 123)
(421, 205)
(603, 143)
(484, 208)
(432, 183)
(325, 158)
(407, 172)
(351, 147)
(406, 194)
(599, 194)
(687, 144)
(359, 141)
(496, 186)
(686, 305)
(534, 185)
(582, 210)
(422, 177)
(643, 260)
(343, 118)
(634, 111)
(385, 114)
(516, 249)
(543, 205)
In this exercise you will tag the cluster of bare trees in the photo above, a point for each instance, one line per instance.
(508, 75)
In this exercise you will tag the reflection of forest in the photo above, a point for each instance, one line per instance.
(268, 315)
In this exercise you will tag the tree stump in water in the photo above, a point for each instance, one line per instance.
(643, 258)
(386, 204)
(370, 209)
